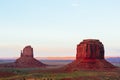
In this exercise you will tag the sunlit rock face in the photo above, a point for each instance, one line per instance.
(90, 49)
(90, 55)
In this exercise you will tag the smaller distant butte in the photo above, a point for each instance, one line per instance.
(90, 55)
(26, 60)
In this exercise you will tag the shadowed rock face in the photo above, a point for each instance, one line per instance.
(90, 49)
(27, 59)
(27, 52)
(90, 55)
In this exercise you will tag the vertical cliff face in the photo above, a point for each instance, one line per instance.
(27, 59)
(90, 55)
(27, 52)
(90, 49)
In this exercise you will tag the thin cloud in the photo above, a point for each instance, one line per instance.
(75, 4)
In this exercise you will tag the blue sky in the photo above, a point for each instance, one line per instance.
(55, 27)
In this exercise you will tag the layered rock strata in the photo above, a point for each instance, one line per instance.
(90, 55)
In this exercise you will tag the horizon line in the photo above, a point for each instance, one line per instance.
(55, 57)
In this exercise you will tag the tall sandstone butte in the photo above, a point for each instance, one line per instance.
(27, 52)
(90, 49)
(27, 59)
(90, 55)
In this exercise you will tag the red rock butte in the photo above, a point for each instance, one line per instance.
(27, 59)
(90, 55)
(27, 52)
(90, 49)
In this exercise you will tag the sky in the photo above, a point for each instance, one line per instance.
(55, 27)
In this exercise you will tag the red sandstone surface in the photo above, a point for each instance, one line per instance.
(90, 55)
(90, 49)
(26, 60)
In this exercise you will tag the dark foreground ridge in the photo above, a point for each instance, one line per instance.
(90, 55)
(26, 60)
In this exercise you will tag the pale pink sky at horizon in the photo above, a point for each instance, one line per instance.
(48, 51)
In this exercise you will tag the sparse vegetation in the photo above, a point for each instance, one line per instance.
(26, 74)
